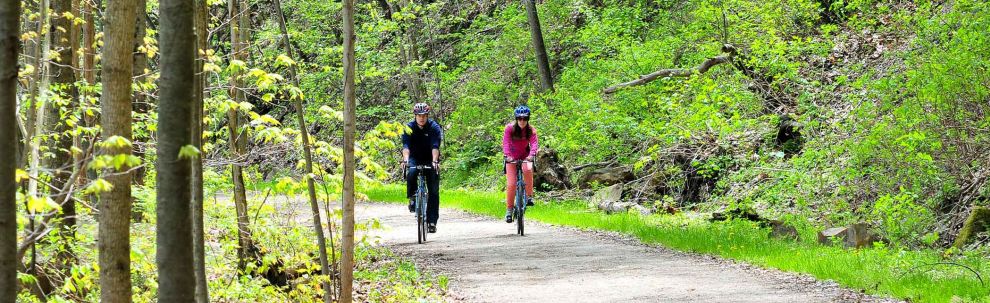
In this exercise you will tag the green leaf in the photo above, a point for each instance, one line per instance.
(188, 152)
(20, 175)
(100, 162)
(296, 93)
(119, 161)
(236, 66)
(133, 161)
(283, 60)
(40, 205)
(244, 106)
(98, 186)
(210, 67)
(115, 142)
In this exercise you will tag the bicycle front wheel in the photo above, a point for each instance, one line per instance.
(520, 226)
(420, 228)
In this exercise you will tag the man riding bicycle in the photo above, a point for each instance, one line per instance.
(519, 143)
(421, 146)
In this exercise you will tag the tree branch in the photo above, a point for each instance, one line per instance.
(677, 72)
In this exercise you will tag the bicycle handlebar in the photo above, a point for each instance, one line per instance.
(405, 166)
(518, 161)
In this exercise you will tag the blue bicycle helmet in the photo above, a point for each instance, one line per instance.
(522, 111)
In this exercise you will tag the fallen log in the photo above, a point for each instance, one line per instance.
(678, 72)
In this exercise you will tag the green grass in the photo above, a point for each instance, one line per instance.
(880, 270)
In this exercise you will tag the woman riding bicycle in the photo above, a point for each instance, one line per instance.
(519, 143)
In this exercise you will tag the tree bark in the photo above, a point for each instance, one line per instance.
(89, 57)
(386, 9)
(410, 56)
(199, 249)
(174, 254)
(61, 163)
(245, 247)
(36, 112)
(87, 73)
(677, 72)
(9, 47)
(140, 104)
(89, 37)
(37, 94)
(75, 32)
(308, 155)
(115, 205)
(347, 259)
(542, 61)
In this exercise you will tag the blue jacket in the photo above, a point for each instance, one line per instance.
(422, 141)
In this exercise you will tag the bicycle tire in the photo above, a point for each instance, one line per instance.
(419, 228)
(520, 226)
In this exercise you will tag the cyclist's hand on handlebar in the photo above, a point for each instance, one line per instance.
(529, 159)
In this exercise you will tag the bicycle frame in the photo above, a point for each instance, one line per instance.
(520, 204)
(422, 197)
(519, 207)
(422, 200)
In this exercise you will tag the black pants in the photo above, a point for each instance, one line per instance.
(433, 187)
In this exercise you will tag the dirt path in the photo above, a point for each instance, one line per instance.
(487, 262)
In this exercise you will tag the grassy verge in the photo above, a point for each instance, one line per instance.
(911, 275)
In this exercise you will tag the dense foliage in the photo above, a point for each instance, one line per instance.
(830, 112)
(833, 111)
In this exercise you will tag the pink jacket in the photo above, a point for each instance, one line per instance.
(519, 149)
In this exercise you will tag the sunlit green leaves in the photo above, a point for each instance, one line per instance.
(41, 204)
(117, 162)
(188, 152)
(20, 175)
(115, 142)
(284, 61)
(236, 66)
(263, 80)
(295, 93)
(330, 113)
(98, 186)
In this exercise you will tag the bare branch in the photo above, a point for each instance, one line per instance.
(677, 72)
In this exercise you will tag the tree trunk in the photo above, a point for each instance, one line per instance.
(409, 53)
(89, 37)
(199, 249)
(88, 69)
(78, 140)
(36, 109)
(61, 163)
(9, 28)
(347, 260)
(245, 244)
(174, 229)
(140, 105)
(307, 153)
(75, 32)
(386, 9)
(87, 73)
(38, 93)
(115, 205)
(542, 62)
